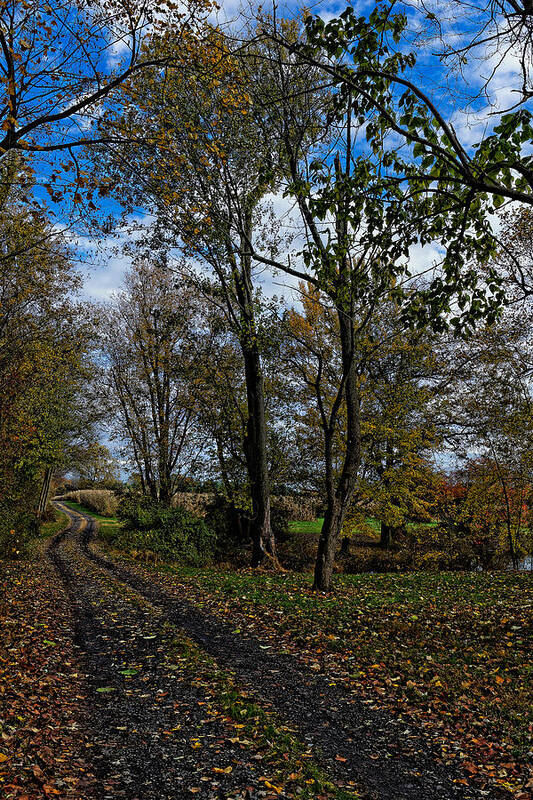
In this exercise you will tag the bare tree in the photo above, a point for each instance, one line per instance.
(149, 352)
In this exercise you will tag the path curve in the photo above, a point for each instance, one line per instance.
(350, 741)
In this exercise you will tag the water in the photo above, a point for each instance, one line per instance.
(526, 564)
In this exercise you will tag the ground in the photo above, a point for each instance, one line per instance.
(122, 680)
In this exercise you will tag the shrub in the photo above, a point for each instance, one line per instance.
(173, 533)
(298, 551)
(434, 561)
(230, 526)
(280, 518)
(18, 526)
(19, 496)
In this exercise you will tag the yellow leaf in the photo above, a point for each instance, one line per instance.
(277, 789)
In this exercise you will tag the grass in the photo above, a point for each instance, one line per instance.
(306, 526)
(315, 525)
(450, 649)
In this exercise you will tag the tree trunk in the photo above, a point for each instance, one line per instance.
(327, 547)
(257, 459)
(255, 444)
(45, 491)
(165, 480)
(339, 501)
(165, 493)
(386, 536)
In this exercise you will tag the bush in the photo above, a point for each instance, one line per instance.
(434, 561)
(280, 518)
(230, 527)
(173, 533)
(298, 551)
(18, 526)
(19, 496)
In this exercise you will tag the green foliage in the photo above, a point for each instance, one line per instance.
(41, 354)
(172, 533)
(18, 523)
(441, 189)
(358, 525)
(280, 520)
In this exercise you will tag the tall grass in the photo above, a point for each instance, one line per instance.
(103, 501)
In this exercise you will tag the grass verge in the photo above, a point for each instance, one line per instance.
(84, 510)
(53, 526)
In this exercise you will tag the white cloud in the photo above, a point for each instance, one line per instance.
(102, 282)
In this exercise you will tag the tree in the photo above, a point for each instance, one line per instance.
(397, 372)
(93, 464)
(403, 372)
(359, 225)
(495, 510)
(492, 32)
(492, 414)
(210, 167)
(43, 346)
(149, 350)
(355, 53)
(220, 404)
(60, 63)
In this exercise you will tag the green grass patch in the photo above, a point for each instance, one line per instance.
(315, 525)
(306, 526)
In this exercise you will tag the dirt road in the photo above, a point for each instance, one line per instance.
(158, 733)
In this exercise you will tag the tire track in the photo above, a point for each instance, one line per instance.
(142, 723)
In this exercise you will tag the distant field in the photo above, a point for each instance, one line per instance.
(83, 510)
(306, 526)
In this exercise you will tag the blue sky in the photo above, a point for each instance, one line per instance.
(102, 260)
